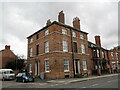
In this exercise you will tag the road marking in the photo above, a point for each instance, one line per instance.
(94, 85)
(43, 83)
(84, 87)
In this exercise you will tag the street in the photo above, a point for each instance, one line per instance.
(106, 82)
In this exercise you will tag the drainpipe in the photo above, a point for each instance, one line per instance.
(72, 51)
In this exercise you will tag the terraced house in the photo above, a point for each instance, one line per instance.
(59, 50)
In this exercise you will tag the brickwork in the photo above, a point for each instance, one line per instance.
(6, 56)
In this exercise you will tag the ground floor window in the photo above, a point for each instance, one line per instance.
(66, 65)
(30, 68)
(84, 65)
(47, 66)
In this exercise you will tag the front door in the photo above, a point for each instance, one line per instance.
(37, 68)
(77, 68)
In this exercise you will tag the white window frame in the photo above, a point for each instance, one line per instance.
(112, 55)
(31, 52)
(31, 40)
(84, 62)
(66, 64)
(83, 48)
(103, 54)
(47, 64)
(30, 68)
(46, 46)
(117, 56)
(98, 53)
(81, 36)
(65, 46)
(74, 34)
(46, 32)
(64, 31)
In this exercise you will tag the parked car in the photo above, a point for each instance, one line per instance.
(24, 77)
(7, 74)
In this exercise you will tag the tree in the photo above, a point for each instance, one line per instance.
(16, 64)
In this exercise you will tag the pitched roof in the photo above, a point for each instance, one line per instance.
(58, 23)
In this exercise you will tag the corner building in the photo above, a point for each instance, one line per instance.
(59, 50)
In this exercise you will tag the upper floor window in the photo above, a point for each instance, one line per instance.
(46, 46)
(84, 65)
(47, 66)
(31, 40)
(37, 36)
(102, 54)
(64, 31)
(65, 46)
(75, 47)
(112, 55)
(66, 65)
(74, 34)
(117, 56)
(81, 36)
(98, 54)
(94, 53)
(37, 49)
(46, 32)
(83, 48)
(31, 52)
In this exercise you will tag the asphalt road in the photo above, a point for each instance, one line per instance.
(107, 82)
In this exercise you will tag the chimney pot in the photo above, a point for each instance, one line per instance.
(61, 17)
(7, 47)
(48, 22)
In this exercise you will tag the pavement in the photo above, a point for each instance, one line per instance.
(72, 80)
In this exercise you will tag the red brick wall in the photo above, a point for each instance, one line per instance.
(55, 38)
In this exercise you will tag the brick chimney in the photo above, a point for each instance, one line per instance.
(98, 41)
(76, 23)
(61, 17)
(48, 22)
(7, 47)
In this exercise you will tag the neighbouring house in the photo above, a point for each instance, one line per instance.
(114, 58)
(59, 50)
(6, 55)
(99, 58)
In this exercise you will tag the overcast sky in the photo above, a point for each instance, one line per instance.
(21, 19)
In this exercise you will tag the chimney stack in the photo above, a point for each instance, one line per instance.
(61, 17)
(7, 47)
(48, 22)
(76, 23)
(98, 41)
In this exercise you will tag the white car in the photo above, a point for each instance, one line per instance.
(7, 74)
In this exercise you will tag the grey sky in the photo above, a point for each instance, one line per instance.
(21, 19)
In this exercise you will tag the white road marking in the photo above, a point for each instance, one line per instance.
(84, 87)
(94, 85)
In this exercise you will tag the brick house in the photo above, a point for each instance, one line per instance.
(6, 56)
(99, 58)
(114, 58)
(59, 50)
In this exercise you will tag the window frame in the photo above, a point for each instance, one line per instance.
(81, 36)
(84, 62)
(74, 34)
(31, 52)
(46, 46)
(64, 31)
(83, 49)
(66, 64)
(65, 45)
(47, 65)
(46, 32)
